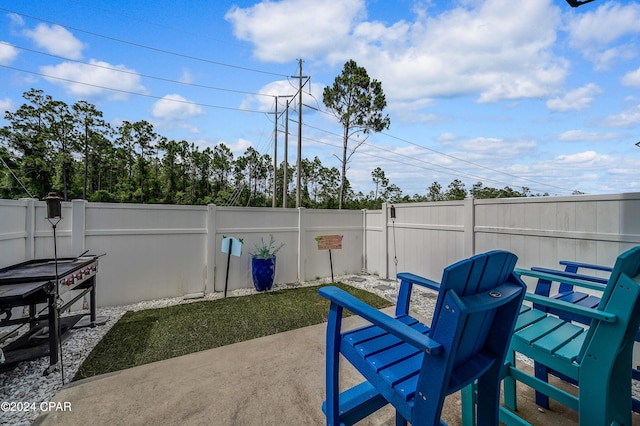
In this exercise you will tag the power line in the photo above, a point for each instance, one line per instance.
(446, 155)
(457, 172)
(454, 172)
(133, 93)
(202, 86)
(447, 170)
(474, 164)
(16, 177)
(233, 198)
(136, 18)
(229, 90)
(142, 46)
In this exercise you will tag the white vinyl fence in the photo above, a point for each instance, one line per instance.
(155, 251)
(541, 231)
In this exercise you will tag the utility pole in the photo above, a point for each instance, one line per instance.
(286, 154)
(299, 164)
(275, 156)
(274, 202)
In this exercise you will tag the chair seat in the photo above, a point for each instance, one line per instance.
(386, 356)
(378, 353)
(576, 298)
(549, 338)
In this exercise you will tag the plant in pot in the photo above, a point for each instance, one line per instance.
(263, 263)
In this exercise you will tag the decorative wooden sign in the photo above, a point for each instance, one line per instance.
(329, 242)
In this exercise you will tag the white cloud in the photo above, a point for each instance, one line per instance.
(581, 158)
(593, 32)
(175, 107)
(582, 136)
(498, 48)
(446, 137)
(609, 22)
(16, 20)
(175, 111)
(632, 78)
(419, 117)
(6, 104)
(7, 53)
(282, 88)
(186, 77)
(628, 118)
(87, 80)
(411, 111)
(239, 147)
(56, 40)
(632, 172)
(289, 29)
(488, 147)
(575, 100)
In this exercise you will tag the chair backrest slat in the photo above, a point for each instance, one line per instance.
(627, 263)
(469, 279)
(474, 275)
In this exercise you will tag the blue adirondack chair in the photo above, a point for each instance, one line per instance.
(568, 293)
(597, 358)
(413, 367)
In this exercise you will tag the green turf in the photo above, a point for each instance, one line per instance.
(155, 334)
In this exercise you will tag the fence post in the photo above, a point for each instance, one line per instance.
(364, 240)
(78, 226)
(302, 231)
(29, 228)
(384, 247)
(210, 282)
(469, 247)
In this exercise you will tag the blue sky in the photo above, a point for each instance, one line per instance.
(530, 93)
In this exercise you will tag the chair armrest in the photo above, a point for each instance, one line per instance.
(407, 280)
(571, 308)
(417, 279)
(574, 275)
(374, 316)
(560, 279)
(577, 265)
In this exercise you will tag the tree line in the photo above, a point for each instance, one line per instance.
(51, 146)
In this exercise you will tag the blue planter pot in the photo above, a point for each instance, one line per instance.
(263, 272)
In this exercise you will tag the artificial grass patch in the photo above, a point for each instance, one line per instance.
(155, 334)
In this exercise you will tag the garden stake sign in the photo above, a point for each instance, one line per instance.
(231, 246)
(330, 242)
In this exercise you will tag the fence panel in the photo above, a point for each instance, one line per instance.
(426, 237)
(347, 260)
(151, 251)
(14, 227)
(251, 225)
(374, 254)
(155, 251)
(545, 230)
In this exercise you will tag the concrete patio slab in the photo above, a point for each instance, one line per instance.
(273, 380)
